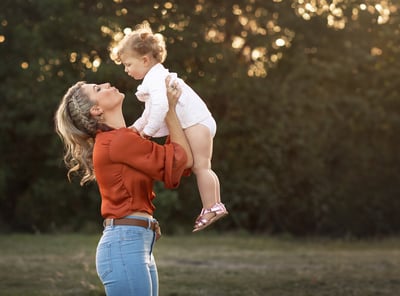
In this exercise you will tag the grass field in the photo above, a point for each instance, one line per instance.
(201, 264)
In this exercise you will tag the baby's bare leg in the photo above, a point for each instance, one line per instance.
(201, 143)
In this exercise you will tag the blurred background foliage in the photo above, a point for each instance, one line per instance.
(305, 93)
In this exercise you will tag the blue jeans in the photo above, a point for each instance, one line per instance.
(124, 261)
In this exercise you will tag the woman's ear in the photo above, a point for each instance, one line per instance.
(96, 110)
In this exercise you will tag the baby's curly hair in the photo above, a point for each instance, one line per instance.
(142, 41)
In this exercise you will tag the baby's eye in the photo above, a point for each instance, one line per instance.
(97, 88)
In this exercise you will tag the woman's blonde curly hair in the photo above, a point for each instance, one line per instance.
(77, 129)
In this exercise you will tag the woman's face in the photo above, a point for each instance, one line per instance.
(104, 95)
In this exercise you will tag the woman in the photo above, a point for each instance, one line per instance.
(98, 145)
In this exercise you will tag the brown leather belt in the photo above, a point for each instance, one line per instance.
(153, 225)
(131, 222)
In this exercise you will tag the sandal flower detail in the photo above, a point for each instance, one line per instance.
(205, 218)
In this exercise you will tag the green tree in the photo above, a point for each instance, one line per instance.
(305, 95)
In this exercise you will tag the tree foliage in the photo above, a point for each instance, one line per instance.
(305, 94)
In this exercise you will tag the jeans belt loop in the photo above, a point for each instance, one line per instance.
(149, 223)
(105, 222)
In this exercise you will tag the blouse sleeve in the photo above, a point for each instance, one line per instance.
(164, 163)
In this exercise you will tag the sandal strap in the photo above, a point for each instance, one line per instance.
(217, 209)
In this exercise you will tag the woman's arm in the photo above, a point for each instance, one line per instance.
(175, 129)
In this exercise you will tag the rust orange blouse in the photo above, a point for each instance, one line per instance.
(126, 166)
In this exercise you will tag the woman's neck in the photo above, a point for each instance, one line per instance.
(115, 120)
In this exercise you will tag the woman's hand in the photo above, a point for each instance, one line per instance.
(174, 126)
(173, 92)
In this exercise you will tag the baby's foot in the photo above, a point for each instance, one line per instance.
(209, 216)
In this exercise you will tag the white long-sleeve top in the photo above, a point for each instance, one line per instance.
(190, 109)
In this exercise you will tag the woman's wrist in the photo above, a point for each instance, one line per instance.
(171, 113)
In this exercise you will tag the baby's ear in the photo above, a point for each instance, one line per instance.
(146, 59)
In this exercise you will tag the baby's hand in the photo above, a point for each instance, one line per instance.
(144, 136)
(134, 129)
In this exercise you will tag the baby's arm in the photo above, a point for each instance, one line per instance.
(138, 124)
(157, 111)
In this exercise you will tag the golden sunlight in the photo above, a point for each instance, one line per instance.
(260, 59)
(198, 8)
(96, 63)
(72, 57)
(257, 70)
(92, 61)
(258, 53)
(121, 12)
(127, 31)
(168, 5)
(375, 51)
(4, 23)
(215, 35)
(280, 42)
(238, 42)
(334, 10)
(252, 21)
(24, 65)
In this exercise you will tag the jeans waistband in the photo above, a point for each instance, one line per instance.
(141, 222)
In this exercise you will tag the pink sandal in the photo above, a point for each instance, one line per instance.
(202, 222)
